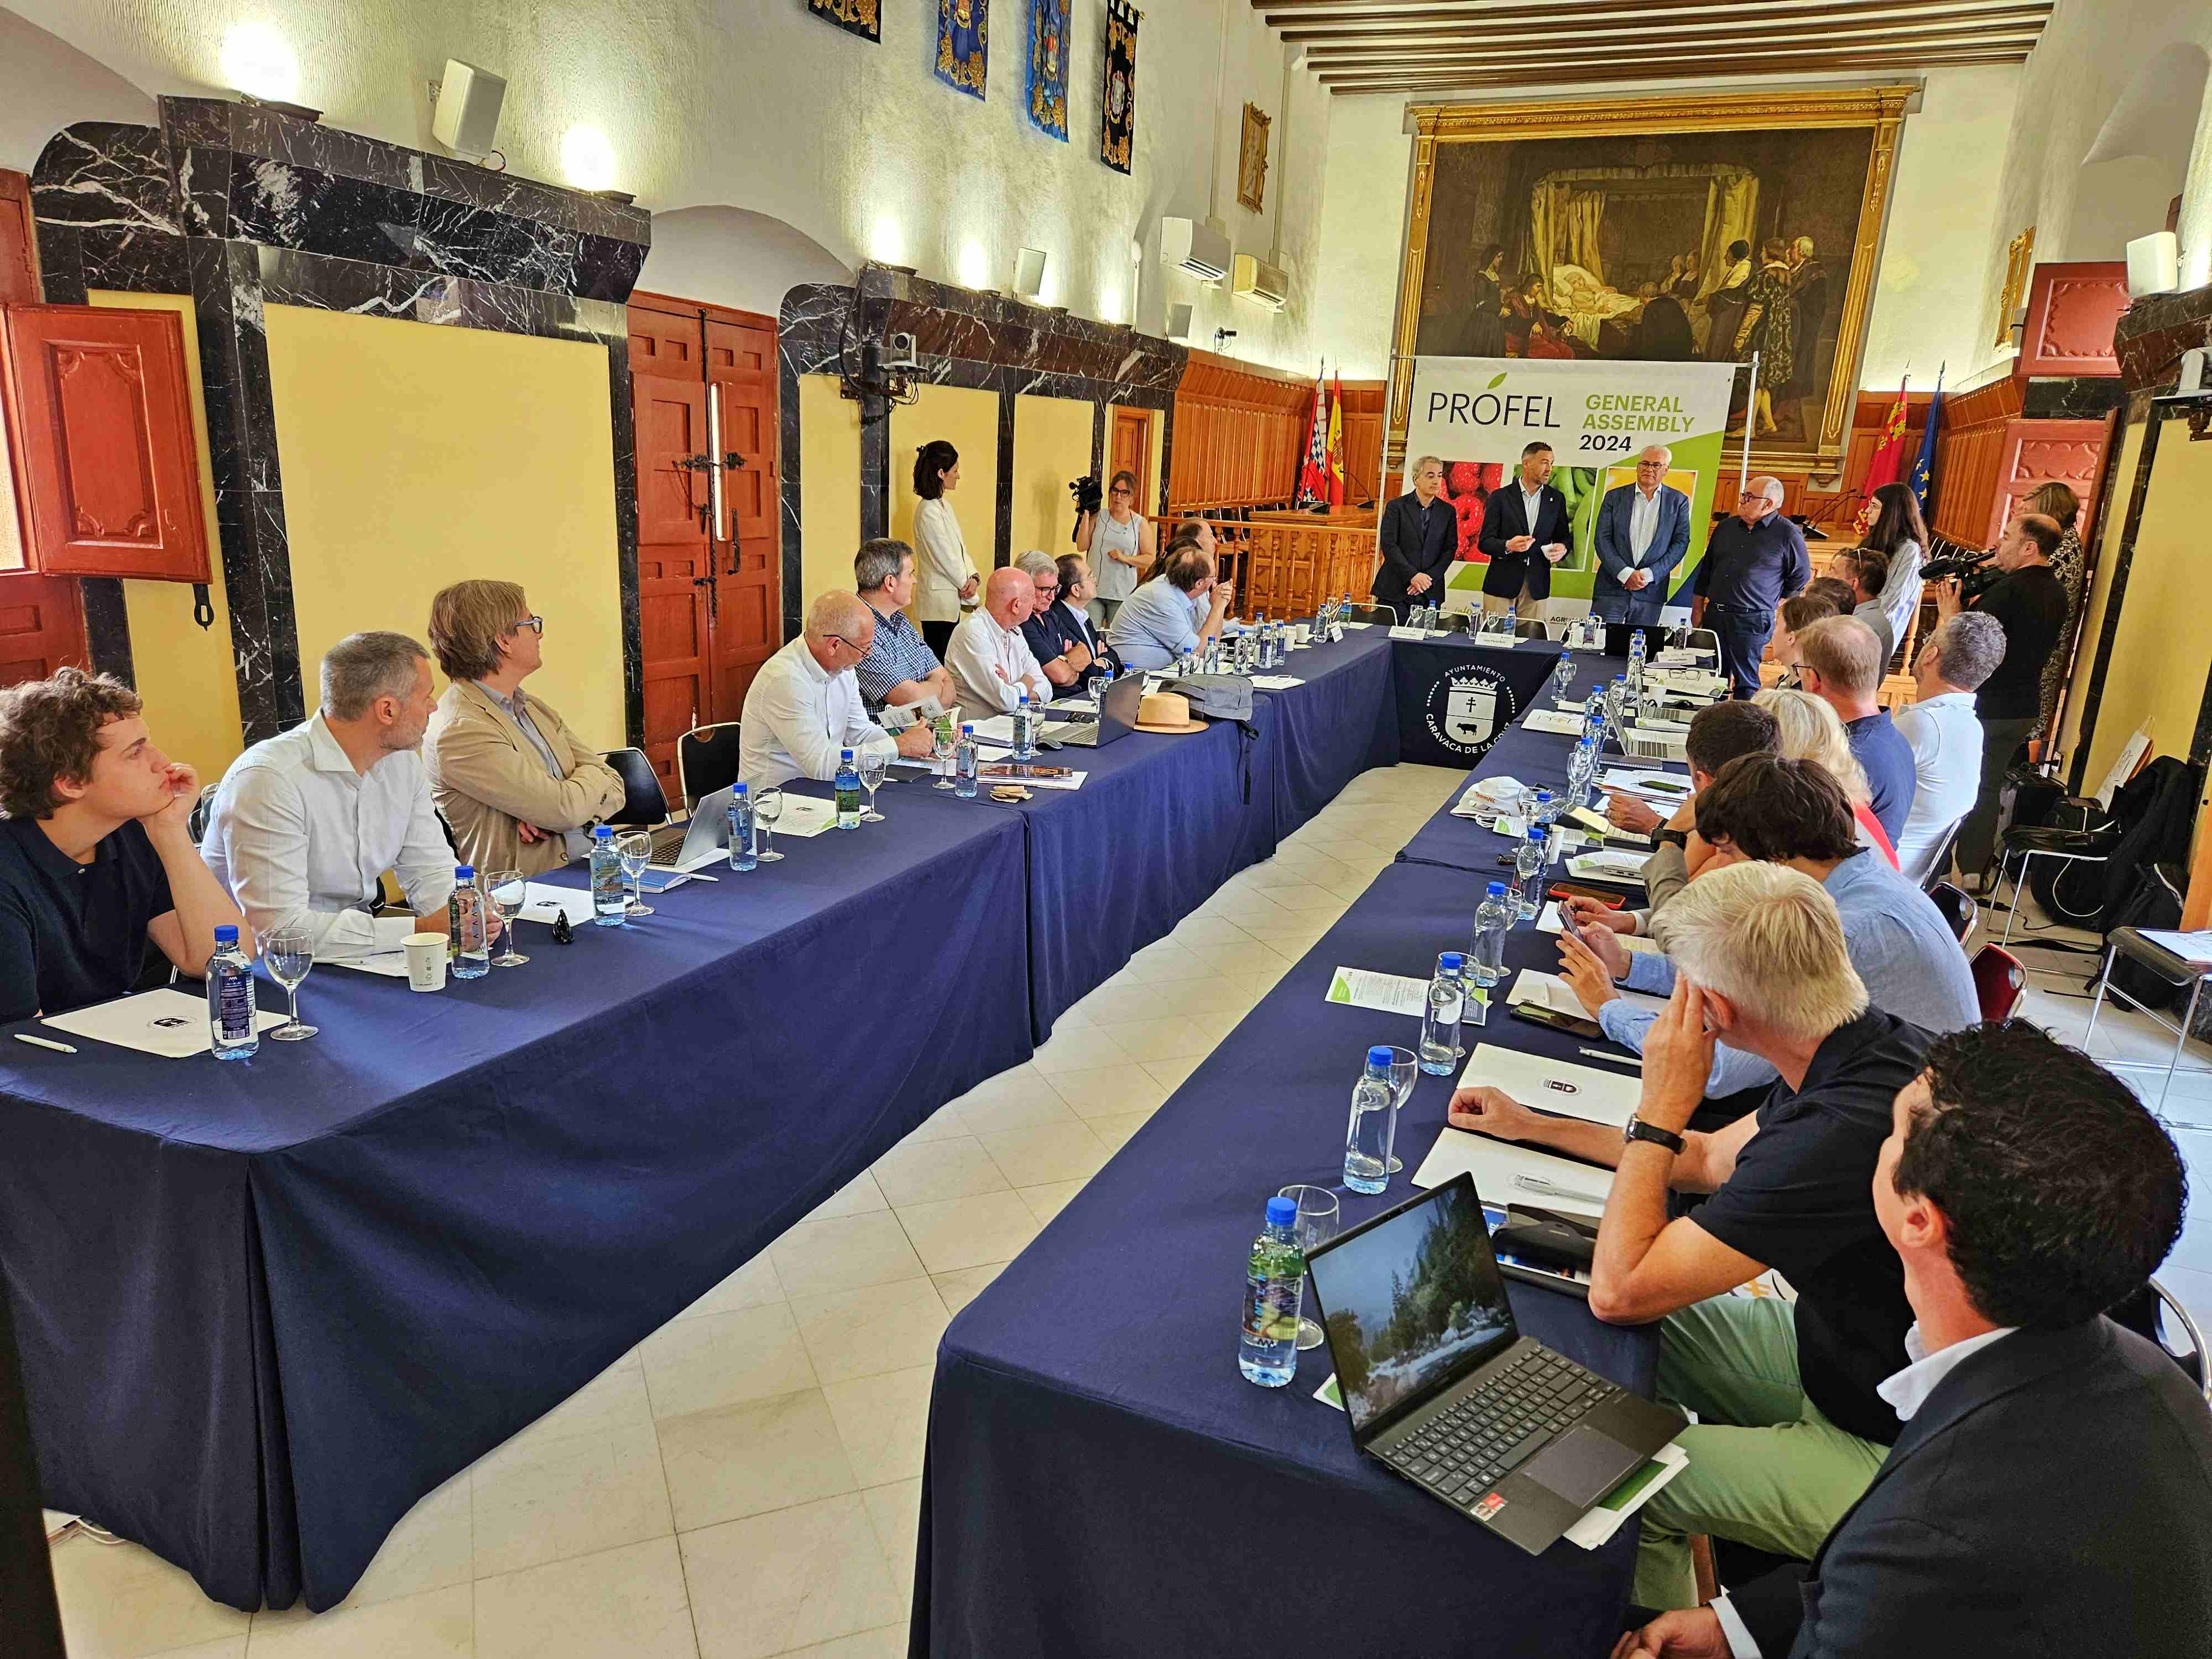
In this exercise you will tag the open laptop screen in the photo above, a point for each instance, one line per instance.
(1412, 1302)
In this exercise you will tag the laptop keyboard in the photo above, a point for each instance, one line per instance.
(667, 842)
(1466, 1450)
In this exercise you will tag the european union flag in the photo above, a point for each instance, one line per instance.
(1926, 463)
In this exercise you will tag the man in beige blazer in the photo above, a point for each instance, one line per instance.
(520, 790)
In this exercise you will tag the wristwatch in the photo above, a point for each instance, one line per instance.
(1639, 1130)
(1672, 837)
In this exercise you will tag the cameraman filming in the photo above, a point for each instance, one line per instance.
(2029, 601)
(1117, 541)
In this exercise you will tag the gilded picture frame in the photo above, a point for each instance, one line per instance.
(1628, 123)
(1252, 160)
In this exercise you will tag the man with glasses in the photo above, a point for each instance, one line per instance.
(991, 662)
(1756, 559)
(804, 704)
(1643, 531)
(519, 789)
(1066, 643)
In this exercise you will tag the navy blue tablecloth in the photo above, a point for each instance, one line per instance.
(265, 1306)
(1100, 1478)
(1341, 721)
(1455, 698)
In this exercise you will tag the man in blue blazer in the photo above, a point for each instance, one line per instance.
(2051, 1491)
(1526, 530)
(1643, 531)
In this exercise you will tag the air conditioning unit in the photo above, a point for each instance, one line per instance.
(1199, 249)
(1261, 282)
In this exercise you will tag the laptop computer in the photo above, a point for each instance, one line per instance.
(705, 837)
(1117, 718)
(1440, 1386)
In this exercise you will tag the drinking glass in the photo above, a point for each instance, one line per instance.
(1317, 1225)
(1405, 1070)
(635, 848)
(768, 808)
(510, 891)
(874, 765)
(941, 744)
(290, 952)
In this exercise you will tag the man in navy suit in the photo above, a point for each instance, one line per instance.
(1643, 531)
(2051, 1491)
(1419, 539)
(1525, 531)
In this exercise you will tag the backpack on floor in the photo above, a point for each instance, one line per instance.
(2149, 823)
(2155, 902)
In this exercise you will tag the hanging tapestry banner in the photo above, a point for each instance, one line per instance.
(1047, 80)
(963, 37)
(859, 18)
(1118, 127)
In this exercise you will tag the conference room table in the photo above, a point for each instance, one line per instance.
(263, 1307)
(1100, 1479)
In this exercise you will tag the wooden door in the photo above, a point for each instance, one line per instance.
(669, 398)
(748, 592)
(19, 244)
(1129, 447)
(100, 413)
(41, 626)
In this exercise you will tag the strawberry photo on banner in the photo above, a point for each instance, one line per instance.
(963, 35)
(1118, 124)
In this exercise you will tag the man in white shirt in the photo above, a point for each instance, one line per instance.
(1643, 531)
(307, 823)
(805, 706)
(1945, 737)
(992, 664)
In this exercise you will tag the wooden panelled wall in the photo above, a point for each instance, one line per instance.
(1239, 433)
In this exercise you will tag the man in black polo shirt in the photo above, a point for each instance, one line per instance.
(1791, 1426)
(2030, 601)
(95, 856)
(1753, 563)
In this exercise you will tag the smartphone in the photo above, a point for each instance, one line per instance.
(1536, 1014)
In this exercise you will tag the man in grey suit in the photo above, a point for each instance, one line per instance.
(1643, 531)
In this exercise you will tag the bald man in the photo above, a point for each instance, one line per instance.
(1758, 560)
(992, 664)
(1643, 531)
(805, 705)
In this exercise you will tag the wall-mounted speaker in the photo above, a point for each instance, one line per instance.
(1029, 274)
(1179, 323)
(466, 120)
(2154, 265)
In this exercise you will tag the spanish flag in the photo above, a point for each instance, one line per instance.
(1887, 466)
(1336, 442)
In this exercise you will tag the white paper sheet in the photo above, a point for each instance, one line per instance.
(1553, 991)
(1402, 633)
(999, 728)
(1356, 624)
(386, 955)
(987, 781)
(1555, 1085)
(1494, 641)
(547, 904)
(1276, 682)
(1496, 1165)
(1386, 994)
(805, 816)
(1623, 869)
(1648, 784)
(1556, 720)
(169, 1022)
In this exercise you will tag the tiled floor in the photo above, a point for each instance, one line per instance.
(746, 1482)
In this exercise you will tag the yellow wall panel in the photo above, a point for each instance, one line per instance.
(2093, 627)
(416, 456)
(968, 421)
(829, 486)
(1052, 445)
(187, 674)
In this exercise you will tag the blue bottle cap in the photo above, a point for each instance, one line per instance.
(1379, 1055)
(1451, 959)
(1543, 794)
(226, 934)
(1497, 890)
(464, 872)
(1536, 832)
(847, 753)
(600, 832)
(968, 727)
(736, 789)
(1282, 1212)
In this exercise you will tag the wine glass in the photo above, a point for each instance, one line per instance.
(875, 763)
(510, 891)
(290, 952)
(768, 808)
(941, 746)
(1405, 1070)
(1315, 1226)
(635, 848)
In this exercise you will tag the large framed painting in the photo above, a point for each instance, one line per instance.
(1665, 229)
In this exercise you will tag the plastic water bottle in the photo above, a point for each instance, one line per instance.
(466, 937)
(1274, 1292)
(848, 786)
(1026, 721)
(1104, 677)
(1563, 675)
(232, 1032)
(1513, 616)
(1582, 772)
(1440, 1023)
(1493, 920)
(743, 854)
(963, 765)
(1528, 873)
(1544, 814)
(1367, 1138)
(610, 898)
(1636, 660)
(1187, 665)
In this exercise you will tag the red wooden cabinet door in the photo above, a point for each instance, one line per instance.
(103, 426)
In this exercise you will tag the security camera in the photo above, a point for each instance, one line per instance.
(899, 352)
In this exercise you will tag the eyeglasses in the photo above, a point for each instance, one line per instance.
(535, 624)
(1045, 590)
(847, 644)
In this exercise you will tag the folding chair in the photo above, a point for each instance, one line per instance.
(1957, 906)
(706, 760)
(1999, 981)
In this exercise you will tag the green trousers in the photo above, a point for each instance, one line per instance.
(1765, 1467)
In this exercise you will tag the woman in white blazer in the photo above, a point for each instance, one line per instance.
(949, 582)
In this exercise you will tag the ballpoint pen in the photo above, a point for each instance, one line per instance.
(1537, 1184)
(1618, 1059)
(45, 1042)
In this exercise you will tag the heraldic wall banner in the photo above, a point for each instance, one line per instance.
(963, 43)
(1118, 124)
(861, 17)
(1046, 79)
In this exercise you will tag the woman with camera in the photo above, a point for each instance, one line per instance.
(949, 581)
(1116, 541)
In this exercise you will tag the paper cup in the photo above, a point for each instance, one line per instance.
(1303, 633)
(425, 962)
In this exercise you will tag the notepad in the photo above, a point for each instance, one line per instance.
(1557, 721)
(1555, 1085)
(168, 1022)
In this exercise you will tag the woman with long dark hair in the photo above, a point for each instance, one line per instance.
(949, 581)
(2057, 502)
(1890, 523)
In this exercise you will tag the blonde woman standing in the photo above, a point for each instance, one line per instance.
(949, 581)
(1119, 541)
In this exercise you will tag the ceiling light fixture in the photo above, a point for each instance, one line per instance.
(588, 158)
(257, 62)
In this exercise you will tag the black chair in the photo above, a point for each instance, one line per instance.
(1939, 867)
(706, 760)
(1958, 907)
(645, 806)
(196, 825)
(1530, 628)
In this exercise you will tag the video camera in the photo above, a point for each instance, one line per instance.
(1976, 574)
(1089, 498)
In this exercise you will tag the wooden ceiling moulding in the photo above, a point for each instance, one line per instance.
(1706, 69)
(1444, 36)
(1632, 47)
(1317, 22)
(1880, 108)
